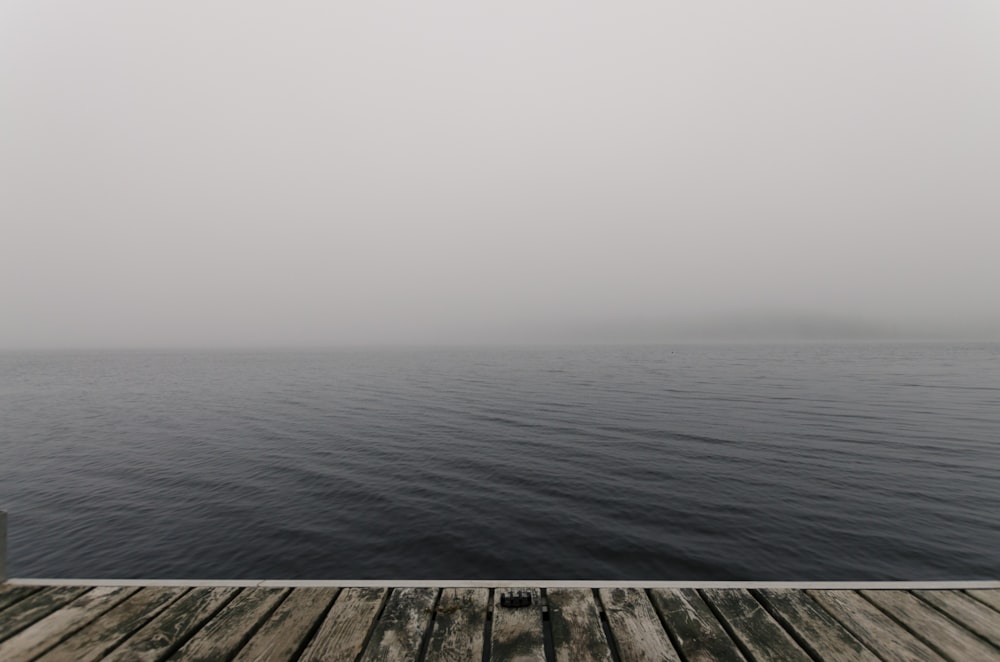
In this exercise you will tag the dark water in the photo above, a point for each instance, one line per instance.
(672, 462)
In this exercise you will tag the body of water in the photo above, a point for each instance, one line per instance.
(822, 462)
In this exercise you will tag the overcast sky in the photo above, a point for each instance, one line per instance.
(235, 173)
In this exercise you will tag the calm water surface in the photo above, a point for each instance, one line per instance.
(671, 462)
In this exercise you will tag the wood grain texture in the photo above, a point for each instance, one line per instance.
(635, 627)
(375, 624)
(36, 607)
(95, 640)
(12, 594)
(342, 633)
(929, 625)
(49, 631)
(989, 597)
(968, 611)
(459, 621)
(399, 634)
(517, 634)
(698, 633)
(284, 633)
(818, 632)
(577, 632)
(172, 626)
(225, 633)
(878, 632)
(756, 629)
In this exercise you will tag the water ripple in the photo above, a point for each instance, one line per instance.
(685, 462)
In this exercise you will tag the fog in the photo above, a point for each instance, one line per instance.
(224, 173)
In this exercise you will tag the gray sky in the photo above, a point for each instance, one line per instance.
(240, 173)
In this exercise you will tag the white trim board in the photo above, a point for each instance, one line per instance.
(506, 583)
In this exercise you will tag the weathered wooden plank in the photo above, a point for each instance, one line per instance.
(49, 631)
(400, 632)
(228, 630)
(517, 634)
(878, 632)
(636, 629)
(96, 639)
(990, 597)
(763, 637)
(459, 621)
(173, 626)
(818, 632)
(284, 633)
(83, 624)
(346, 626)
(577, 633)
(698, 633)
(36, 607)
(11, 594)
(968, 611)
(935, 629)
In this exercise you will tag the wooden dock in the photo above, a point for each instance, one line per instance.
(567, 622)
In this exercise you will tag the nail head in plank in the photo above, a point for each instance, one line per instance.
(96, 639)
(342, 633)
(635, 627)
(173, 625)
(401, 629)
(283, 633)
(818, 632)
(49, 631)
(227, 631)
(459, 621)
(874, 629)
(517, 634)
(577, 632)
(756, 629)
(937, 630)
(36, 607)
(698, 633)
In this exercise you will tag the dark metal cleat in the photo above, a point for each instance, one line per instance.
(515, 599)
